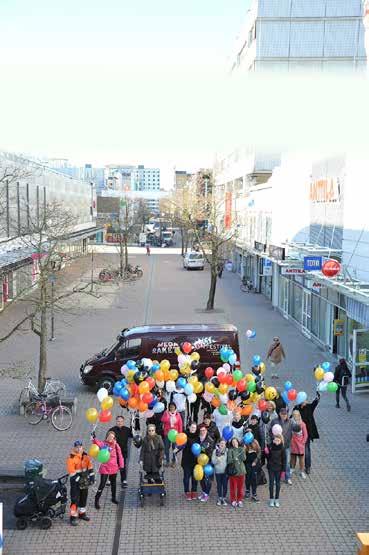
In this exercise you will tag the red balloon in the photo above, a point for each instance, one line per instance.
(147, 398)
(187, 347)
(331, 268)
(241, 385)
(105, 416)
(133, 388)
(222, 377)
(209, 372)
(292, 394)
(262, 405)
(151, 382)
(229, 379)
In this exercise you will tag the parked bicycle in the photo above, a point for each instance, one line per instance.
(130, 273)
(49, 408)
(246, 285)
(52, 387)
(134, 271)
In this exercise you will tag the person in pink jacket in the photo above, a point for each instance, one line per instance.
(171, 420)
(110, 468)
(298, 440)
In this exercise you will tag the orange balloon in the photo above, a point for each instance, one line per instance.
(142, 407)
(122, 402)
(159, 375)
(231, 405)
(167, 375)
(215, 402)
(143, 387)
(181, 439)
(132, 402)
(223, 388)
(246, 411)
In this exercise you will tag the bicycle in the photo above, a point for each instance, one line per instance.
(52, 387)
(48, 408)
(246, 286)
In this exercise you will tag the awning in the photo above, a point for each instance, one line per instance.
(358, 311)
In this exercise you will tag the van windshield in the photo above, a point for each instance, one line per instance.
(110, 349)
(196, 256)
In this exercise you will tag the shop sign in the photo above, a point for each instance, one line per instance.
(325, 190)
(279, 253)
(267, 267)
(292, 271)
(228, 210)
(338, 327)
(260, 247)
(313, 263)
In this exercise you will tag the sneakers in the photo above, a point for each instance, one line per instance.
(289, 482)
(276, 503)
(188, 496)
(337, 406)
(224, 502)
(220, 502)
(193, 495)
(200, 496)
(204, 498)
(73, 521)
(307, 470)
(247, 495)
(275, 376)
(255, 499)
(234, 504)
(292, 471)
(115, 501)
(303, 475)
(124, 484)
(83, 516)
(240, 504)
(271, 503)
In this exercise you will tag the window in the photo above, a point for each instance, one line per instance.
(132, 347)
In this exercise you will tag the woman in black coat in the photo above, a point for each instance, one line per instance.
(152, 454)
(189, 461)
(342, 377)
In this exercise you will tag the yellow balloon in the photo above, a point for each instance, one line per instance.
(249, 378)
(93, 451)
(319, 374)
(107, 403)
(270, 393)
(164, 365)
(177, 351)
(130, 375)
(173, 375)
(223, 388)
(198, 472)
(203, 459)
(262, 367)
(92, 415)
(195, 356)
(185, 370)
(193, 380)
(198, 388)
(210, 387)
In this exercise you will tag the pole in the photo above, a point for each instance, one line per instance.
(1, 529)
(92, 270)
(52, 338)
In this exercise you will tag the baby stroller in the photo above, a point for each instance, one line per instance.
(43, 499)
(149, 487)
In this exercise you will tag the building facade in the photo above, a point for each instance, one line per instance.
(295, 35)
(145, 179)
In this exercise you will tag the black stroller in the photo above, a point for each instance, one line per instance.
(43, 499)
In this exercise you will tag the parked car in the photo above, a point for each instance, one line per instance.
(158, 343)
(193, 261)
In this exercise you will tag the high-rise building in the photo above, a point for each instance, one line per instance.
(306, 35)
(181, 179)
(145, 179)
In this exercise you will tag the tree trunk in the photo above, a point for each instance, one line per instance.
(125, 251)
(213, 285)
(182, 241)
(121, 257)
(42, 368)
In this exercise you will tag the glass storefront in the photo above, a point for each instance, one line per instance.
(266, 287)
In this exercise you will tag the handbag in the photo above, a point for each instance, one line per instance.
(231, 469)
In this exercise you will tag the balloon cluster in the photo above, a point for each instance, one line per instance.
(202, 468)
(93, 416)
(291, 394)
(325, 377)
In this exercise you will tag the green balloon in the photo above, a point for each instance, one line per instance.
(223, 410)
(103, 455)
(251, 387)
(332, 387)
(172, 434)
(237, 375)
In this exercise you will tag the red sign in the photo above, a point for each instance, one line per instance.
(331, 268)
(228, 210)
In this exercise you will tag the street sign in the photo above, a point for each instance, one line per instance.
(313, 263)
(292, 271)
(267, 267)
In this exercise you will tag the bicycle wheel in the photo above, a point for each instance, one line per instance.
(244, 288)
(34, 412)
(55, 387)
(61, 418)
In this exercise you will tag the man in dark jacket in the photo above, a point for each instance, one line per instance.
(285, 423)
(122, 434)
(211, 427)
(342, 377)
(307, 414)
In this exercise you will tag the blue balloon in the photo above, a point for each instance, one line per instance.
(301, 397)
(196, 449)
(153, 402)
(123, 382)
(322, 386)
(287, 386)
(188, 389)
(256, 360)
(225, 353)
(124, 394)
(181, 383)
(131, 365)
(208, 470)
(227, 433)
(232, 359)
(117, 388)
(326, 366)
(285, 397)
(155, 367)
(248, 438)
(158, 407)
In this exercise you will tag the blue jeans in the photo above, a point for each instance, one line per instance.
(307, 455)
(288, 463)
(167, 445)
(187, 476)
(222, 484)
(274, 478)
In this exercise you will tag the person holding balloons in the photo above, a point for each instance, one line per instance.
(151, 455)
(219, 460)
(276, 457)
(171, 420)
(307, 414)
(206, 443)
(236, 470)
(298, 441)
(81, 475)
(286, 426)
(189, 460)
(252, 462)
(109, 467)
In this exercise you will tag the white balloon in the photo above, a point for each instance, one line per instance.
(124, 370)
(182, 359)
(328, 377)
(277, 430)
(147, 362)
(160, 385)
(102, 394)
(220, 370)
(226, 367)
(224, 399)
(192, 398)
(148, 413)
(170, 386)
(208, 396)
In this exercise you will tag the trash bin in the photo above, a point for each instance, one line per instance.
(33, 468)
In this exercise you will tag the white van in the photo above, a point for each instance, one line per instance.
(193, 261)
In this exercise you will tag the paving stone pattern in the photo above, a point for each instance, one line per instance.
(318, 515)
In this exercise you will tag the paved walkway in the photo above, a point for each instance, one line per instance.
(319, 515)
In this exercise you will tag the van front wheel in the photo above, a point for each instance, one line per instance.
(107, 382)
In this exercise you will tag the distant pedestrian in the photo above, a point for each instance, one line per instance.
(307, 414)
(298, 442)
(179, 398)
(220, 268)
(275, 355)
(110, 468)
(276, 456)
(219, 460)
(342, 377)
(236, 461)
(148, 250)
(238, 425)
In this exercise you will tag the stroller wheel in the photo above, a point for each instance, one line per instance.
(142, 500)
(45, 523)
(21, 523)
(162, 500)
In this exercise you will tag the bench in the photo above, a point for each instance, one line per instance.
(70, 402)
(363, 538)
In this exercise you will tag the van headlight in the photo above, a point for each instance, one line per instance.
(87, 369)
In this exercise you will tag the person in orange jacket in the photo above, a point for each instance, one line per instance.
(81, 475)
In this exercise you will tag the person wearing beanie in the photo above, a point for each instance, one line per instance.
(81, 475)
(276, 457)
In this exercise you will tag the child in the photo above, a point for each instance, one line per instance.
(252, 464)
(298, 440)
(236, 457)
(219, 460)
(276, 456)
